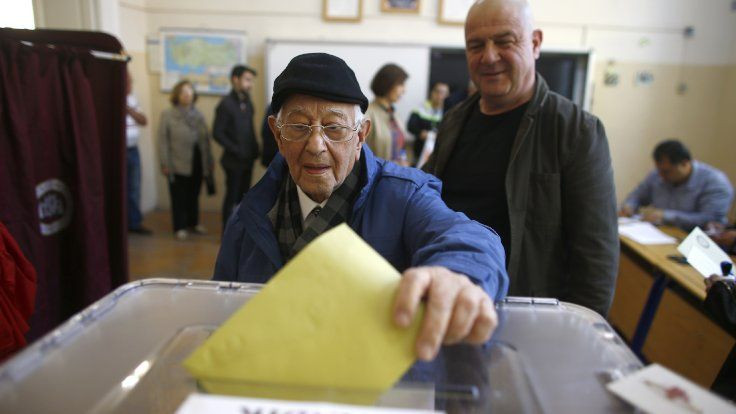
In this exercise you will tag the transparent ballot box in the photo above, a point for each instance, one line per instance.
(123, 355)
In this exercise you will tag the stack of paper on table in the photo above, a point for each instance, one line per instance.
(643, 232)
(323, 322)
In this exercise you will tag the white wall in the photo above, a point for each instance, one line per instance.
(133, 26)
(636, 35)
(65, 14)
(581, 23)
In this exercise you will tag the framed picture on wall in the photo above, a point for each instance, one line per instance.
(342, 10)
(400, 6)
(453, 11)
(205, 57)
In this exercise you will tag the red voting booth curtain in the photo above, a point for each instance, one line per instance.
(62, 150)
(17, 294)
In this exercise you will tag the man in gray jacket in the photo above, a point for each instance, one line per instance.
(531, 164)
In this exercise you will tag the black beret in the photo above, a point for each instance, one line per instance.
(321, 75)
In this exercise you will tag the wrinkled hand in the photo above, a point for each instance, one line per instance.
(711, 280)
(456, 309)
(652, 215)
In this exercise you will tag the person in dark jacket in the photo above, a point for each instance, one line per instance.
(530, 164)
(720, 303)
(233, 129)
(324, 176)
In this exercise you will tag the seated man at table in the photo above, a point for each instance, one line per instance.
(680, 192)
(324, 176)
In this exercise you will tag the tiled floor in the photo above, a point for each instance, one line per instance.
(162, 255)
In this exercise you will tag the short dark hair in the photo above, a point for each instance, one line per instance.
(238, 71)
(675, 151)
(386, 78)
(174, 97)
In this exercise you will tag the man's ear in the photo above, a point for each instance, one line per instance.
(537, 37)
(274, 130)
(365, 129)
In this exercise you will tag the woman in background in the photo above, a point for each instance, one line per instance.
(387, 138)
(185, 157)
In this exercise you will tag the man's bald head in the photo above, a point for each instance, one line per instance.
(501, 45)
(519, 8)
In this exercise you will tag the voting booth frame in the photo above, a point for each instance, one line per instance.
(124, 353)
(62, 150)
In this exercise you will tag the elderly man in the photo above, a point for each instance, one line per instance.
(324, 175)
(680, 191)
(530, 164)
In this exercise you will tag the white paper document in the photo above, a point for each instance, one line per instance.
(203, 403)
(703, 253)
(702, 263)
(643, 232)
(655, 389)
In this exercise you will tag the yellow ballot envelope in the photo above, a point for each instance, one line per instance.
(324, 321)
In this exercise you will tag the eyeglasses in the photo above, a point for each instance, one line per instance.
(332, 132)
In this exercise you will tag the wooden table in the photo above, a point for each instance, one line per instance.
(658, 309)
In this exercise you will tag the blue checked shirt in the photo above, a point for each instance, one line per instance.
(705, 196)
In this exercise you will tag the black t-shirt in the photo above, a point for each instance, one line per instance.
(475, 175)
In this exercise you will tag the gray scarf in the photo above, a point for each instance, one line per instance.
(286, 215)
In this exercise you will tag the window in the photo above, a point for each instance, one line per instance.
(17, 14)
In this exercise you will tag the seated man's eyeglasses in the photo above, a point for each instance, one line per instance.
(331, 132)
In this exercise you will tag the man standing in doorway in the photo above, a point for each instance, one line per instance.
(233, 129)
(530, 164)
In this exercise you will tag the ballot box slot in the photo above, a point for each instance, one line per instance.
(519, 300)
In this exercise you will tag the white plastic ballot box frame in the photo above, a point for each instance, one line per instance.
(568, 352)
